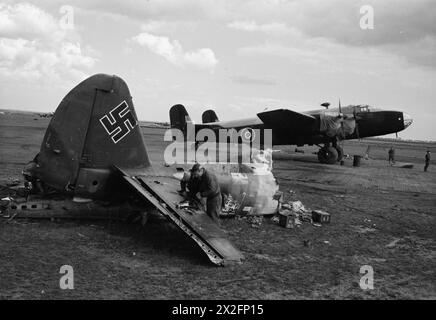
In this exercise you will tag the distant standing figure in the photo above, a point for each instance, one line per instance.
(391, 155)
(367, 153)
(427, 160)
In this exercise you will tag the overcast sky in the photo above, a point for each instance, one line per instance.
(235, 56)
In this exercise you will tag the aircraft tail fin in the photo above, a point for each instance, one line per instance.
(179, 117)
(94, 127)
(209, 116)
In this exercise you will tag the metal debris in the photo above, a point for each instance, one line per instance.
(183, 205)
(230, 206)
(393, 243)
(12, 182)
(294, 213)
(275, 219)
(287, 219)
(256, 221)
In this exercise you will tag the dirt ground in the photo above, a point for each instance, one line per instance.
(381, 216)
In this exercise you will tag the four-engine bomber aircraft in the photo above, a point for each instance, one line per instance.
(325, 126)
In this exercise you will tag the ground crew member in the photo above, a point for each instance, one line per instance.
(29, 172)
(190, 182)
(209, 189)
(427, 160)
(391, 155)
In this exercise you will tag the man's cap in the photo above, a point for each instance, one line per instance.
(195, 167)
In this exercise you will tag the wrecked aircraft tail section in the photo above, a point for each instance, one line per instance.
(93, 133)
(94, 127)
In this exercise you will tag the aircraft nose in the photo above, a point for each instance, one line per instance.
(407, 120)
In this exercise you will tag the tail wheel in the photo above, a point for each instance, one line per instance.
(328, 155)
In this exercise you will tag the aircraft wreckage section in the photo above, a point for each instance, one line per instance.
(93, 164)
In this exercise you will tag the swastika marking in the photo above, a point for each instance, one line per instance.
(119, 122)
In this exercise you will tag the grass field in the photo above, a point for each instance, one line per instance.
(382, 216)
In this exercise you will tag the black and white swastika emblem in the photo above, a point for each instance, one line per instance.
(119, 122)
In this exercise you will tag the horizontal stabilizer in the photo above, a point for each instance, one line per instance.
(283, 119)
(163, 195)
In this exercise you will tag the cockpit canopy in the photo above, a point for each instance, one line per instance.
(350, 109)
(363, 108)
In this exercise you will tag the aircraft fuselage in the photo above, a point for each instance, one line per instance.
(370, 123)
(316, 127)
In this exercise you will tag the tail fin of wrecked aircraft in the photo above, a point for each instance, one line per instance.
(179, 117)
(209, 116)
(95, 126)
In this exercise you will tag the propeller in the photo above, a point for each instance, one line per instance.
(341, 116)
(341, 135)
(357, 125)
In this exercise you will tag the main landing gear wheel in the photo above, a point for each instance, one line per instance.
(328, 155)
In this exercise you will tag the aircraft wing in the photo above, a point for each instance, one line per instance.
(285, 119)
(161, 192)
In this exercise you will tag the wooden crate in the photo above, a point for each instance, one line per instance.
(286, 221)
(319, 216)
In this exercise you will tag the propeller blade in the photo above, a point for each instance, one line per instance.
(357, 125)
(341, 116)
(357, 130)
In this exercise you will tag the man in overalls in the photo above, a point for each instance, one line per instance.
(209, 189)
